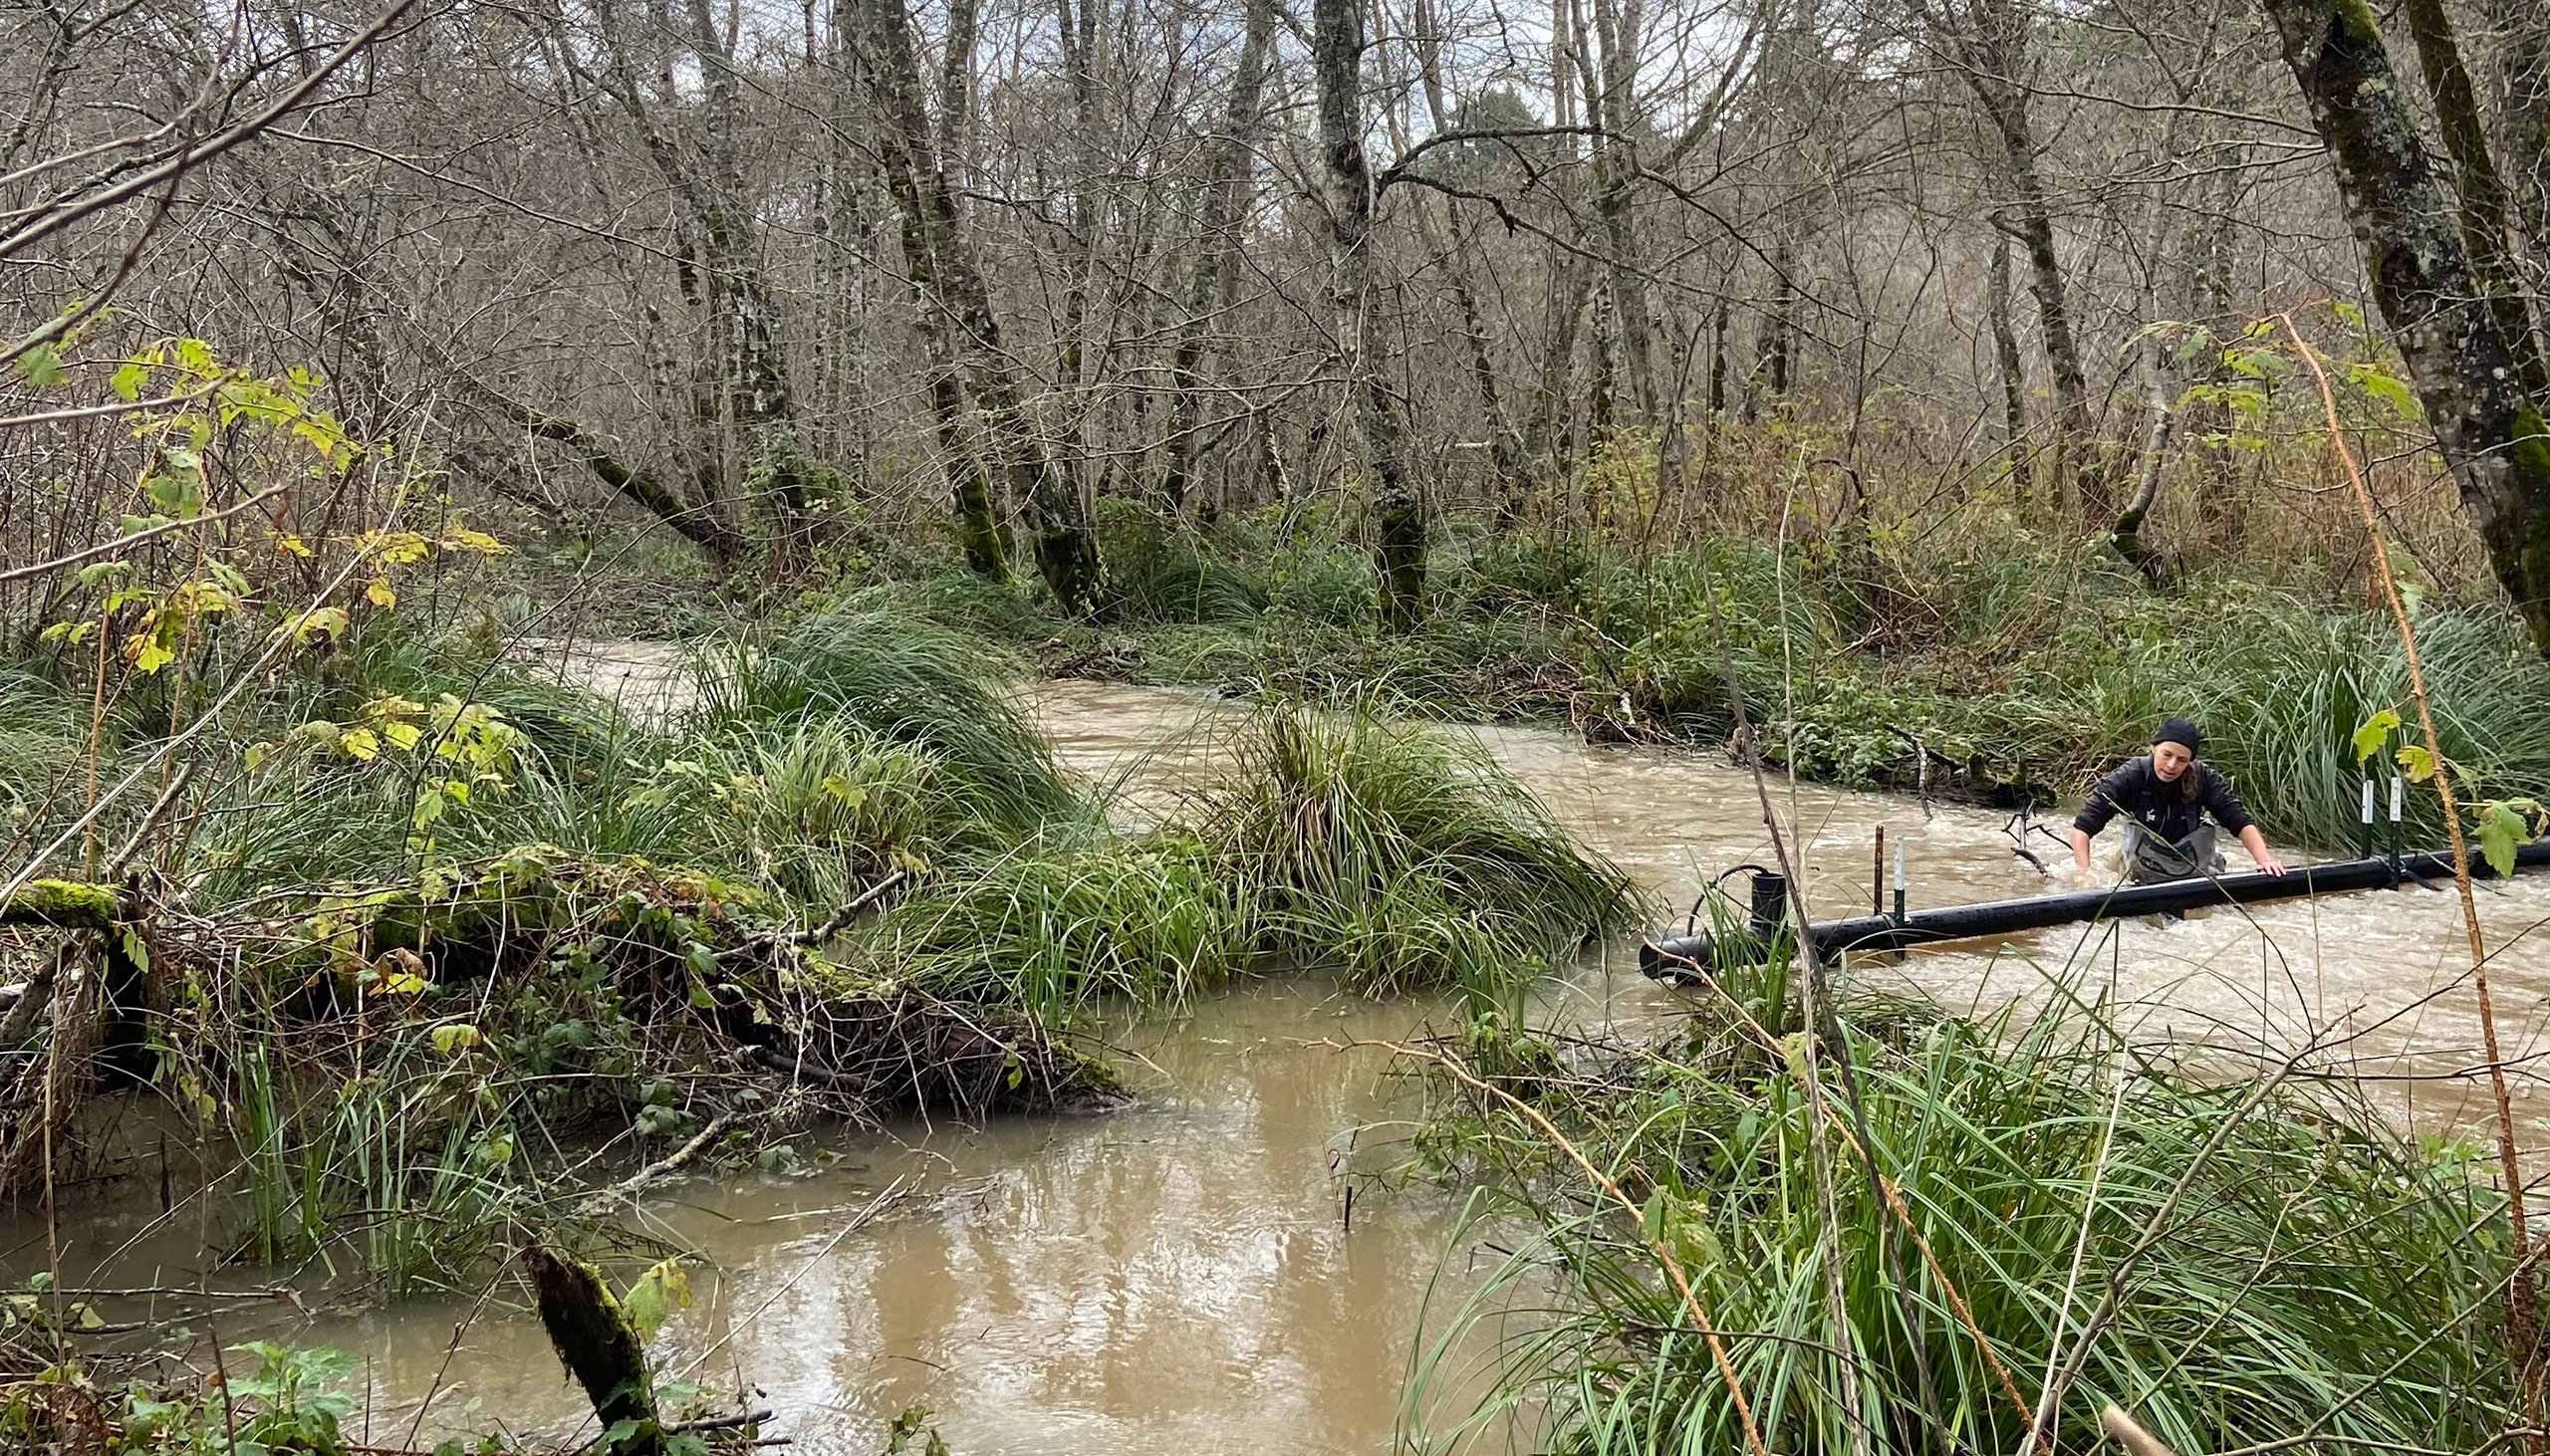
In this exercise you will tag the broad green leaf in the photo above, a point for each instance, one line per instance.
(455, 1038)
(2500, 830)
(2385, 386)
(657, 1292)
(127, 380)
(42, 365)
(2375, 732)
(360, 743)
(2417, 763)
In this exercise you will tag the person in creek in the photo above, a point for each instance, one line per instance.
(2165, 797)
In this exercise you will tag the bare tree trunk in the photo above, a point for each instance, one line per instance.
(1225, 193)
(748, 402)
(2523, 67)
(1991, 50)
(2006, 358)
(1617, 26)
(1504, 447)
(1570, 282)
(943, 269)
(2128, 536)
(2076, 446)
(1337, 51)
(2491, 431)
(2221, 510)
(2485, 221)
(1775, 324)
(1717, 357)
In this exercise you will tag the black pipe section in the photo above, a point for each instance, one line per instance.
(1676, 958)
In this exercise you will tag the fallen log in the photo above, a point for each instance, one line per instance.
(64, 905)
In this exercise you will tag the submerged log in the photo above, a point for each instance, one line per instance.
(600, 1345)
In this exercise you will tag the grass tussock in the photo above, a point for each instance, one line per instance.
(1392, 855)
(1402, 856)
(1055, 927)
(2320, 1275)
(906, 682)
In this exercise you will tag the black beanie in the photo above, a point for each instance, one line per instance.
(2182, 732)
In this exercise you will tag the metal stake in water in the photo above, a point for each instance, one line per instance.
(1898, 892)
(2365, 839)
(2399, 791)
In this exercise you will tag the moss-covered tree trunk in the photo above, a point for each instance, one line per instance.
(2463, 368)
(1337, 54)
(941, 266)
(2485, 223)
(64, 905)
(600, 1346)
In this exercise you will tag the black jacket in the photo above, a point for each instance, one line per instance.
(2167, 811)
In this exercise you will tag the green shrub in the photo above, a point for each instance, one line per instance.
(1161, 570)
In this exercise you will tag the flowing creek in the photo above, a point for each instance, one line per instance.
(1192, 1275)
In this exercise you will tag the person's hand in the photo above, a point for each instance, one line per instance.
(2269, 865)
(2083, 876)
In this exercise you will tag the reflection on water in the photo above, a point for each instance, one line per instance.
(1182, 1277)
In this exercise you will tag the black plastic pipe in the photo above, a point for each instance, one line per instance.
(1676, 958)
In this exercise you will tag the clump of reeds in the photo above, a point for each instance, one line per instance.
(1050, 927)
(907, 682)
(1391, 855)
(1400, 856)
(2313, 1275)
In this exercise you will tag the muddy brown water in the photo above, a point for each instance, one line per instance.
(1188, 1275)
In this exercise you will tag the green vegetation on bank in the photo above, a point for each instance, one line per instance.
(445, 928)
(2281, 1262)
(2001, 667)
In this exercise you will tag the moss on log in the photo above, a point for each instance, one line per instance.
(600, 1346)
(66, 905)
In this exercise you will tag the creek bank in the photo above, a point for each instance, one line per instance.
(2003, 672)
